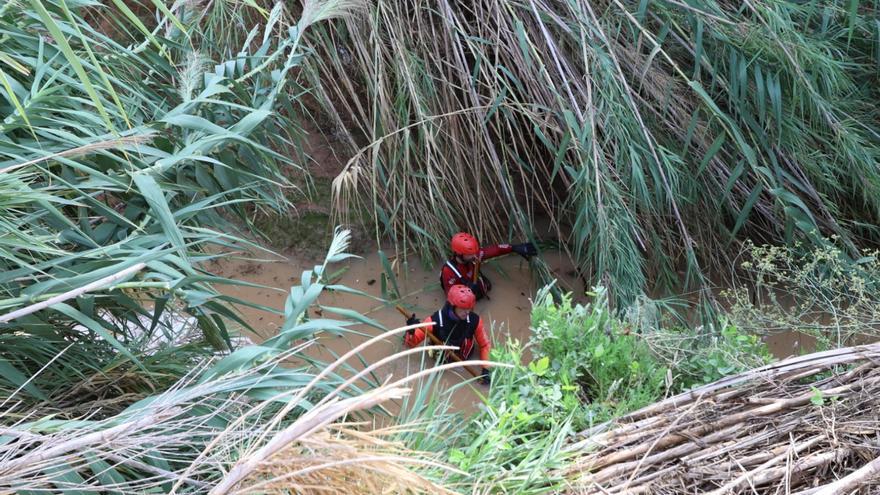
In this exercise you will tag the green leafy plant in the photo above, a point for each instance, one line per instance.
(499, 449)
(699, 359)
(599, 369)
(125, 152)
(583, 369)
(820, 291)
(588, 367)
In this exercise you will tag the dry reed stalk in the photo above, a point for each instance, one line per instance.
(758, 432)
(86, 149)
(314, 419)
(10, 468)
(314, 465)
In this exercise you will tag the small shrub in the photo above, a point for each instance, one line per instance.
(697, 357)
(727, 353)
(820, 291)
(587, 367)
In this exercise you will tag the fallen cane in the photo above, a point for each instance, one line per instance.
(437, 341)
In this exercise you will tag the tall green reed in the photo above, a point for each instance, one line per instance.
(653, 135)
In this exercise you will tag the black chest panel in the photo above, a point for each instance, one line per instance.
(454, 331)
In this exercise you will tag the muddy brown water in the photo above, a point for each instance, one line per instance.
(506, 315)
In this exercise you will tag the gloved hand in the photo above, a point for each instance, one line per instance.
(486, 377)
(477, 289)
(526, 249)
(412, 320)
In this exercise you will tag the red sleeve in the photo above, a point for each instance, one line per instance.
(418, 335)
(495, 250)
(483, 341)
(447, 278)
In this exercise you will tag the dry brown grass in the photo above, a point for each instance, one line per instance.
(343, 459)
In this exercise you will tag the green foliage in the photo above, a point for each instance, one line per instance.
(821, 291)
(711, 358)
(591, 369)
(539, 395)
(499, 449)
(123, 147)
(588, 367)
(502, 453)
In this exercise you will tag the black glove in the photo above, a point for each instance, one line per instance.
(526, 249)
(412, 320)
(477, 289)
(486, 377)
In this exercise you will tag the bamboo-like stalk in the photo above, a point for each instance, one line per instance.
(786, 430)
(763, 472)
(73, 293)
(851, 481)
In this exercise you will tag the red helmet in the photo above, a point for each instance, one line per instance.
(464, 244)
(461, 296)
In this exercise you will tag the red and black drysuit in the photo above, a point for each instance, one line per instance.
(454, 331)
(454, 273)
